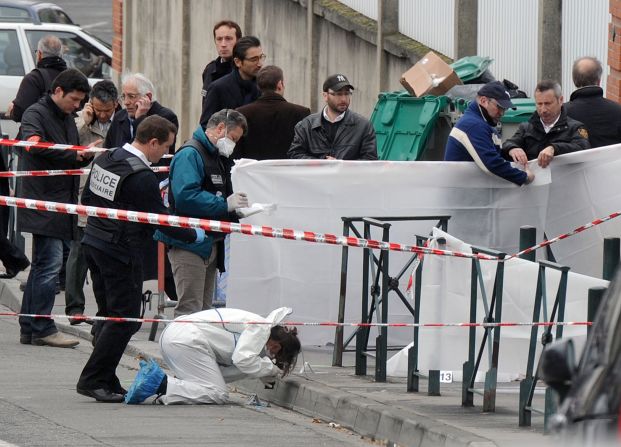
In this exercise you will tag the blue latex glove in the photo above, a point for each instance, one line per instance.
(200, 235)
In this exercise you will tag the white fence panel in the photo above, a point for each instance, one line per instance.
(430, 23)
(366, 7)
(508, 34)
(585, 33)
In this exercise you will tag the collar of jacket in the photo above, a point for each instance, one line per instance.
(476, 109)
(246, 85)
(587, 92)
(52, 62)
(200, 136)
(315, 119)
(54, 108)
(562, 120)
(271, 96)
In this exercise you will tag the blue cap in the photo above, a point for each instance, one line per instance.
(496, 90)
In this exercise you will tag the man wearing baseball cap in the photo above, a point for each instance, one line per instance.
(475, 138)
(336, 132)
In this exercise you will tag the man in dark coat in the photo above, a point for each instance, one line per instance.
(271, 119)
(138, 96)
(37, 83)
(549, 132)
(239, 87)
(601, 116)
(226, 33)
(51, 120)
(335, 133)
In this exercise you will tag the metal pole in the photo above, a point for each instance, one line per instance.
(611, 257)
(528, 238)
(337, 354)
(596, 295)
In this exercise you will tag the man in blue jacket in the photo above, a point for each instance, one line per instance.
(200, 187)
(475, 138)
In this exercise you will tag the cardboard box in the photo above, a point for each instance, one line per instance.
(429, 76)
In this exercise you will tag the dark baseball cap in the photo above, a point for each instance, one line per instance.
(496, 90)
(336, 82)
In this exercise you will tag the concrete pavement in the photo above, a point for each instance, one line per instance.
(384, 411)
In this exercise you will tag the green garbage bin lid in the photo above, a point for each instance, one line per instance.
(525, 107)
(471, 67)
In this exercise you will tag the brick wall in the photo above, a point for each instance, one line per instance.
(117, 39)
(613, 85)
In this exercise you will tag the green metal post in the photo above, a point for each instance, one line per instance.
(596, 294)
(612, 248)
(528, 238)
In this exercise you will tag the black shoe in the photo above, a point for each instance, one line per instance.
(78, 318)
(101, 395)
(25, 339)
(12, 271)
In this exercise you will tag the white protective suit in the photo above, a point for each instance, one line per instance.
(206, 356)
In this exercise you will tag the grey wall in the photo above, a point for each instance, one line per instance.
(171, 42)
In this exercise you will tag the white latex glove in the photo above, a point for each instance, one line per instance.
(237, 200)
(255, 208)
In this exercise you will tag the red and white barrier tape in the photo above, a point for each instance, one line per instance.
(229, 227)
(63, 147)
(55, 172)
(580, 229)
(299, 323)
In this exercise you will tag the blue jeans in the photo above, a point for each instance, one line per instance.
(40, 291)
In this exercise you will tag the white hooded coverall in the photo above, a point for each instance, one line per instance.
(206, 356)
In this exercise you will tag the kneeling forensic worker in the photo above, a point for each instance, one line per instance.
(218, 346)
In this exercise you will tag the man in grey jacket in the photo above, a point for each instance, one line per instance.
(336, 132)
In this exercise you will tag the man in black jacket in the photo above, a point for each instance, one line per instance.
(601, 116)
(270, 118)
(113, 247)
(50, 119)
(239, 87)
(37, 83)
(138, 97)
(549, 131)
(226, 33)
(336, 132)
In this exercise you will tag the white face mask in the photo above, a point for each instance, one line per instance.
(225, 146)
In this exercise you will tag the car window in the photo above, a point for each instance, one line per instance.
(52, 15)
(11, 63)
(10, 14)
(77, 52)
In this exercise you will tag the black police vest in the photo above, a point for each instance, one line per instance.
(106, 179)
(215, 178)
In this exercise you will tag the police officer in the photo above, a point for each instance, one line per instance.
(122, 179)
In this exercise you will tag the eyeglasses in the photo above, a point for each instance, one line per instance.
(492, 100)
(340, 94)
(256, 59)
(130, 96)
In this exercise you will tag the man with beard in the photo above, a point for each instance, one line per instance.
(475, 138)
(336, 132)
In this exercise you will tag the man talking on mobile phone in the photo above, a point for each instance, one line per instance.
(93, 122)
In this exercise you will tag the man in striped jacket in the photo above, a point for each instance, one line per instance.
(475, 138)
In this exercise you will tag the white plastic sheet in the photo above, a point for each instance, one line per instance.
(485, 211)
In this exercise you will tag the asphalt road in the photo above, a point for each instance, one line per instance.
(95, 16)
(39, 407)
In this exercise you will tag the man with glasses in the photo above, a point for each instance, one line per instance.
(475, 137)
(548, 132)
(138, 98)
(336, 132)
(239, 87)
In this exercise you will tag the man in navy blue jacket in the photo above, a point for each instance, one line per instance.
(475, 138)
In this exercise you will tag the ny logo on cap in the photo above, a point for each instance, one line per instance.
(341, 78)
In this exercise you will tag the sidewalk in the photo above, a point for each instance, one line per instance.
(384, 411)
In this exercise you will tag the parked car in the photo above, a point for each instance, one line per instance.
(26, 11)
(18, 43)
(590, 392)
